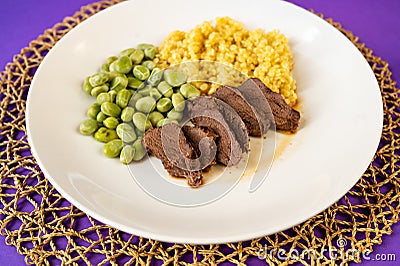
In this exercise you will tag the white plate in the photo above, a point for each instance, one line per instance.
(341, 124)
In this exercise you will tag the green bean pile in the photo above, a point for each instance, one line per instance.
(132, 95)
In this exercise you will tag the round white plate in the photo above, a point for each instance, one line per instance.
(340, 129)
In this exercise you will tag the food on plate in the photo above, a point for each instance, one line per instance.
(255, 53)
(193, 115)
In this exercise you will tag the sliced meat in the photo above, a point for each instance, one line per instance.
(177, 159)
(286, 118)
(233, 138)
(203, 142)
(251, 113)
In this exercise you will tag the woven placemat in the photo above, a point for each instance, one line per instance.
(47, 229)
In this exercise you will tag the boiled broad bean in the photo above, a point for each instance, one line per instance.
(175, 115)
(149, 64)
(155, 94)
(164, 105)
(127, 154)
(111, 109)
(165, 89)
(111, 122)
(101, 117)
(135, 97)
(123, 65)
(113, 95)
(111, 59)
(123, 97)
(99, 89)
(104, 134)
(141, 122)
(145, 91)
(88, 127)
(127, 114)
(150, 52)
(126, 132)
(166, 121)
(145, 104)
(135, 83)
(155, 117)
(141, 72)
(189, 91)
(127, 52)
(174, 78)
(178, 102)
(137, 57)
(86, 86)
(140, 150)
(99, 79)
(119, 82)
(93, 110)
(155, 76)
(103, 97)
(144, 46)
(112, 148)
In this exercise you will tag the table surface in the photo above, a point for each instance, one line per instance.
(377, 23)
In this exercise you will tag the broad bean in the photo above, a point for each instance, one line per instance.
(127, 52)
(119, 82)
(99, 89)
(150, 52)
(165, 89)
(178, 102)
(111, 122)
(110, 109)
(166, 121)
(113, 148)
(93, 110)
(101, 117)
(154, 117)
(123, 97)
(174, 78)
(141, 122)
(104, 134)
(127, 114)
(126, 132)
(175, 115)
(155, 76)
(123, 65)
(135, 83)
(145, 104)
(99, 79)
(103, 97)
(140, 150)
(155, 94)
(137, 57)
(86, 86)
(189, 91)
(127, 154)
(164, 105)
(141, 72)
(149, 64)
(88, 127)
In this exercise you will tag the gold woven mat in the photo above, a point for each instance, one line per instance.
(47, 229)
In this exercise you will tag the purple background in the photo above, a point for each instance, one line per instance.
(377, 23)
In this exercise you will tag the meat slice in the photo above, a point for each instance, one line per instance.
(177, 159)
(233, 138)
(248, 108)
(286, 118)
(203, 142)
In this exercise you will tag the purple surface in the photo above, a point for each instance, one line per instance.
(377, 23)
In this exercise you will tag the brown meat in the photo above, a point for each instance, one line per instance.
(285, 117)
(233, 138)
(177, 159)
(251, 113)
(203, 142)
